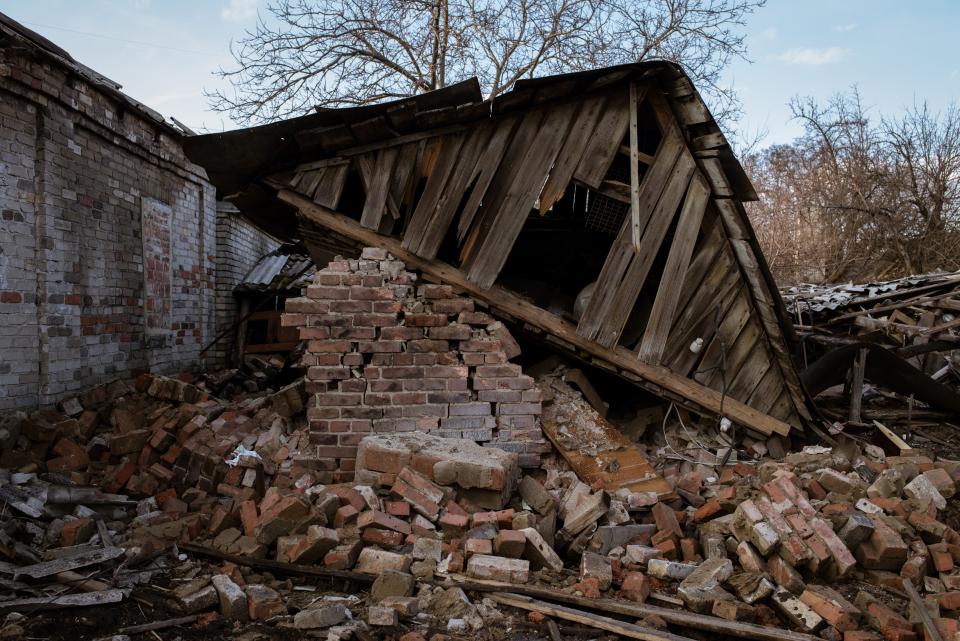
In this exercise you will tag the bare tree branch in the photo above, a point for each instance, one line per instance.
(307, 53)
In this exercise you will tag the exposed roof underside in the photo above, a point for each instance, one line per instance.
(614, 181)
(236, 159)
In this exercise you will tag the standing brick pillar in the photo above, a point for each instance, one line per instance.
(386, 354)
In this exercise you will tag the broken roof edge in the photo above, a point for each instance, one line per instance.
(58, 55)
(235, 159)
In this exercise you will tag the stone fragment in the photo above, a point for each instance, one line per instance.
(703, 586)
(321, 616)
(233, 600)
(381, 616)
(539, 552)
(373, 561)
(496, 568)
(391, 583)
(921, 489)
(663, 569)
(796, 611)
(598, 567)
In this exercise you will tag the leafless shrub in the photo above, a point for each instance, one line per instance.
(857, 198)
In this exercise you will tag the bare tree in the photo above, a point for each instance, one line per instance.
(860, 198)
(327, 53)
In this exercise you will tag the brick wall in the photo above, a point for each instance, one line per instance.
(85, 294)
(239, 246)
(388, 354)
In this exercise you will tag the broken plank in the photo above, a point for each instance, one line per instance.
(377, 183)
(458, 182)
(484, 173)
(622, 252)
(635, 277)
(47, 568)
(668, 293)
(605, 141)
(572, 151)
(424, 214)
(708, 400)
(86, 599)
(508, 209)
(682, 618)
(328, 191)
(587, 618)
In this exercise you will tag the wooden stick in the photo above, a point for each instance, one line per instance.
(615, 606)
(278, 566)
(619, 358)
(158, 625)
(928, 623)
(856, 385)
(593, 620)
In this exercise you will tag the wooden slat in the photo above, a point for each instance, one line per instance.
(638, 268)
(572, 152)
(622, 465)
(699, 321)
(618, 258)
(605, 141)
(620, 359)
(485, 171)
(423, 215)
(512, 202)
(730, 325)
(674, 272)
(378, 187)
(635, 229)
(745, 381)
(453, 193)
(767, 390)
(404, 182)
(742, 352)
(328, 191)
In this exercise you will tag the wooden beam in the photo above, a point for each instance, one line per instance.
(636, 230)
(597, 621)
(682, 618)
(656, 376)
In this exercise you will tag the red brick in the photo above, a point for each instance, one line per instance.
(707, 511)
(384, 538)
(635, 587)
(382, 520)
(510, 543)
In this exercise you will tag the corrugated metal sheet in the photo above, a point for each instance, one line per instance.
(289, 267)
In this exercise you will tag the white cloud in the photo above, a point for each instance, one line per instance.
(812, 56)
(141, 4)
(769, 34)
(845, 28)
(238, 10)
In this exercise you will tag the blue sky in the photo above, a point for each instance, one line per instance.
(164, 52)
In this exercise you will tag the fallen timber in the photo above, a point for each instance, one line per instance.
(616, 359)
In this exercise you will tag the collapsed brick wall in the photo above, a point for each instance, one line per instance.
(388, 354)
(107, 238)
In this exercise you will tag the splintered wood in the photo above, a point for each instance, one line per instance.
(596, 450)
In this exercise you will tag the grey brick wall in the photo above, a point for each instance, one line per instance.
(239, 246)
(85, 294)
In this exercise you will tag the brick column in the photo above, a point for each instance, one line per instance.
(386, 354)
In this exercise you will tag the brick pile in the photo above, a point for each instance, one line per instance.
(388, 353)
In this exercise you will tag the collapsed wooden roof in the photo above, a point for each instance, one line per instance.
(617, 177)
